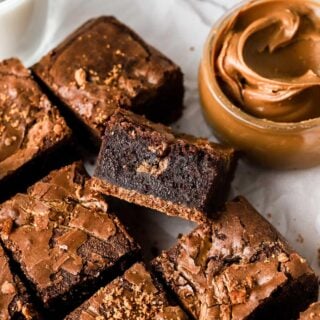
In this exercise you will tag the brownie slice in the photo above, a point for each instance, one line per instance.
(147, 164)
(31, 128)
(64, 240)
(14, 299)
(238, 267)
(104, 65)
(312, 313)
(135, 295)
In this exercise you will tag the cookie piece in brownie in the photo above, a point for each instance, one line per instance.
(135, 295)
(238, 267)
(149, 165)
(64, 240)
(14, 299)
(104, 65)
(312, 313)
(30, 127)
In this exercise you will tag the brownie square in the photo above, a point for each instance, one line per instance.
(31, 128)
(135, 295)
(64, 240)
(149, 165)
(238, 267)
(104, 65)
(312, 313)
(14, 299)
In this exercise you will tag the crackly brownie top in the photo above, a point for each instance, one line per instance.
(103, 65)
(312, 313)
(225, 269)
(60, 231)
(29, 124)
(135, 295)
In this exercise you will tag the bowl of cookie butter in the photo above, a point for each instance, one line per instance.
(259, 82)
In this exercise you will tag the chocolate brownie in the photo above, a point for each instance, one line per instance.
(14, 299)
(104, 65)
(312, 313)
(135, 295)
(149, 165)
(64, 240)
(30, 127)
(238, 267)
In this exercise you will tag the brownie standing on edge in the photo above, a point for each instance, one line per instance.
(14, 299)
(30, 127)
(104, 65)
(312, 313)
(147, 164)
(237, 267)
(135, 295)
(64, 240)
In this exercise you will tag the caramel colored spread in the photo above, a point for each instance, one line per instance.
(268, 59)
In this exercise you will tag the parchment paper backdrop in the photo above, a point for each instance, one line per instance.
(290, 200)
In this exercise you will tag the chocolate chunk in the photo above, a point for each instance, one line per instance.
(30, 127)
(14, 299)
(147, 164)
(64, 239)
(238, 267)
(135, 295)
(104, 65)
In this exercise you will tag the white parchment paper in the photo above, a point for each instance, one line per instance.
(289, 200)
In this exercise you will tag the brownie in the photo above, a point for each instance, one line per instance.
(63, 239)
(104, 65)
(237, 267)
(14, 299)
(30, 127)
(312, 313)
(149, 165)
(135, 295)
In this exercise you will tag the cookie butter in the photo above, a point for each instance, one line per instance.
(259, 81)
(269, 60)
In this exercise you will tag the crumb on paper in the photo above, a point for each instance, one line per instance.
(269, 215)
(191, 48)
(300, 238)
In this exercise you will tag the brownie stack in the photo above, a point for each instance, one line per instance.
(65, 255)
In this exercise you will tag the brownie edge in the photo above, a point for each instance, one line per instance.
(14, 300)
(237, 267)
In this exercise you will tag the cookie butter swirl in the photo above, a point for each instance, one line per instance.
(269, 59)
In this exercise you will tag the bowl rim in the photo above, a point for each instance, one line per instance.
(208, 67)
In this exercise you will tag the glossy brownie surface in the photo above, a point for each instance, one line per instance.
(104, 65)
(177, 174)
(135, 295)
(29, 124)
(238, 267)
(63, 238)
